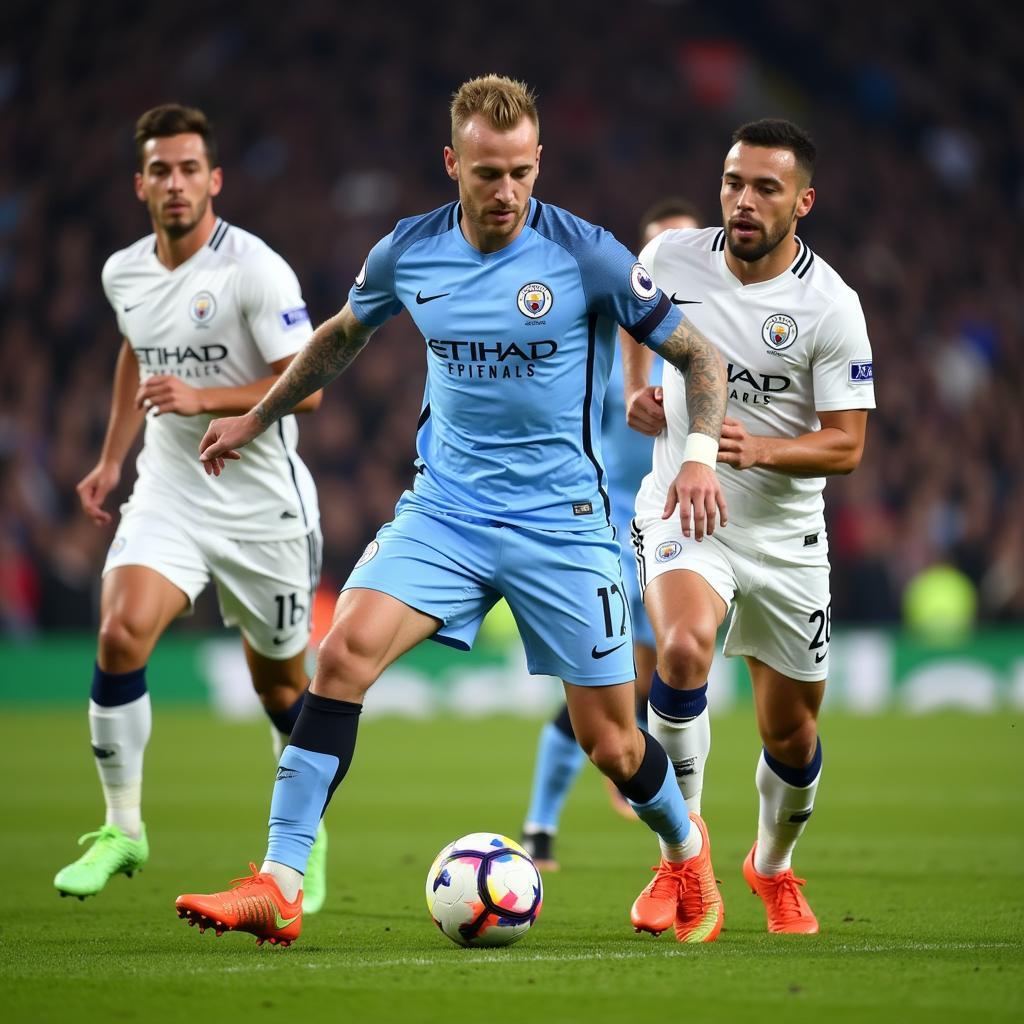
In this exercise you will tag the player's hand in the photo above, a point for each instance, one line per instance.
(736, 447)
(698, 494)
(645, 411)
(165, 393)
(94, 488)
(224, 437)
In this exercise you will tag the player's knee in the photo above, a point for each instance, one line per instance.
(793, 743)
(343, 663)
(615, 754)
(123, 641)
(685, 655)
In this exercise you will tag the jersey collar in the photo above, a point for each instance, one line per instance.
(798, 268)
(485, 257)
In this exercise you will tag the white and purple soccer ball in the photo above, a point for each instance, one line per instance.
(484, 890)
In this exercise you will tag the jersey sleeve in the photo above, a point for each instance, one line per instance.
(619, 286)
(841, 366)
(272, 304)
(109, 290)
(372, 298)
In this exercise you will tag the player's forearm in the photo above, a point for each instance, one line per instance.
(825, 452)
(332, 347)
(706, 392)
(125, 419)
(238, 400)
(637, 360)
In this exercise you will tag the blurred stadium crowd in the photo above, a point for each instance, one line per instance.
(331, 118)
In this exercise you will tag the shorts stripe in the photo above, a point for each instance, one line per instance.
(637, 537)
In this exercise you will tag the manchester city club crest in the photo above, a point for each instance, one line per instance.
(534, 300)
(202, 308)
(641, 282)
(667, 551)
(779, 331)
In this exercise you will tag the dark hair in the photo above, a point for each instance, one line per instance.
(673, 206)
(777, 133)
(174, 119)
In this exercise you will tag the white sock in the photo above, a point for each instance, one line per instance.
(689, 847)
(289, 881)
(782, 817)
(119, 736)
(687, 745)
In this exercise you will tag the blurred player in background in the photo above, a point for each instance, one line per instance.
(800, 387)
(518, 303)
(210, 317)
(627, 459)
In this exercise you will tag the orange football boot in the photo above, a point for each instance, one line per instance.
(788, 912)
(253, 904)
(684, 894)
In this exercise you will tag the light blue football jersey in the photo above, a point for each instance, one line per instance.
(519, 347)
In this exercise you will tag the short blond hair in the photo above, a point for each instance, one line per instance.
(502, 101)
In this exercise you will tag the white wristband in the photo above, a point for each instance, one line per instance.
(701, 448)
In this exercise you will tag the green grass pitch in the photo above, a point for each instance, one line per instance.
(915, 862)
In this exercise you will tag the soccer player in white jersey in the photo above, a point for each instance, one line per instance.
(800, 387)
(211, 316)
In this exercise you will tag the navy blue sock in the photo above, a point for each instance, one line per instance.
(799, 777)
(316, 759)
(109, 689)
(284, 721)
(655, 796)
(563, 723)
(676, 705)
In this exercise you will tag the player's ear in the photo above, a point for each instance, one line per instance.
(805, 201)
(539, 148)
(451, 163)
(140, 192)
(216, 181)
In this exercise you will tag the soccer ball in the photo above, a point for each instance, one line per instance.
(484, 890)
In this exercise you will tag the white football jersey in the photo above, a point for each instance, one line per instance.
(218, 320)
(793, 346)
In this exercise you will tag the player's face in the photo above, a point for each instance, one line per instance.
(496, 171)
(763, 196)
(176, 182)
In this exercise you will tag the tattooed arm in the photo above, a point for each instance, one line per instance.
(696, 489)
(332, 347)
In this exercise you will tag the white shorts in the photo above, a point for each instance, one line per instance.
(265, 588)
(782, 613)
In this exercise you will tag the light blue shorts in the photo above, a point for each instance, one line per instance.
(565, 589)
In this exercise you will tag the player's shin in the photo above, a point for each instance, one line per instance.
(120, 722)
(679, 721)
(656, 798)
(313, 764)
(786, 802)
(282, 723)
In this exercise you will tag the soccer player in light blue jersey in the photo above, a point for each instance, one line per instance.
(518, 303)
(627, 459)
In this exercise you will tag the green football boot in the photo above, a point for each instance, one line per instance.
(314, 883)
(113, 853)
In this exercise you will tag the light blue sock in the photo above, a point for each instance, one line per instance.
(303, 783)
(666, 812)
(559, 760)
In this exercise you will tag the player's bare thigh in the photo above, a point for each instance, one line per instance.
(136, 605)
(604, 721)
(685, 611)
(787, 713)
(370, 630)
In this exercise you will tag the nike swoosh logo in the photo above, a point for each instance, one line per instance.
(283, 922)
(128, 309)
(819, 658)
(286, 773)
(421, 298)
(278, 640)
(289, 515)
(684, 302)
(595, 653)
